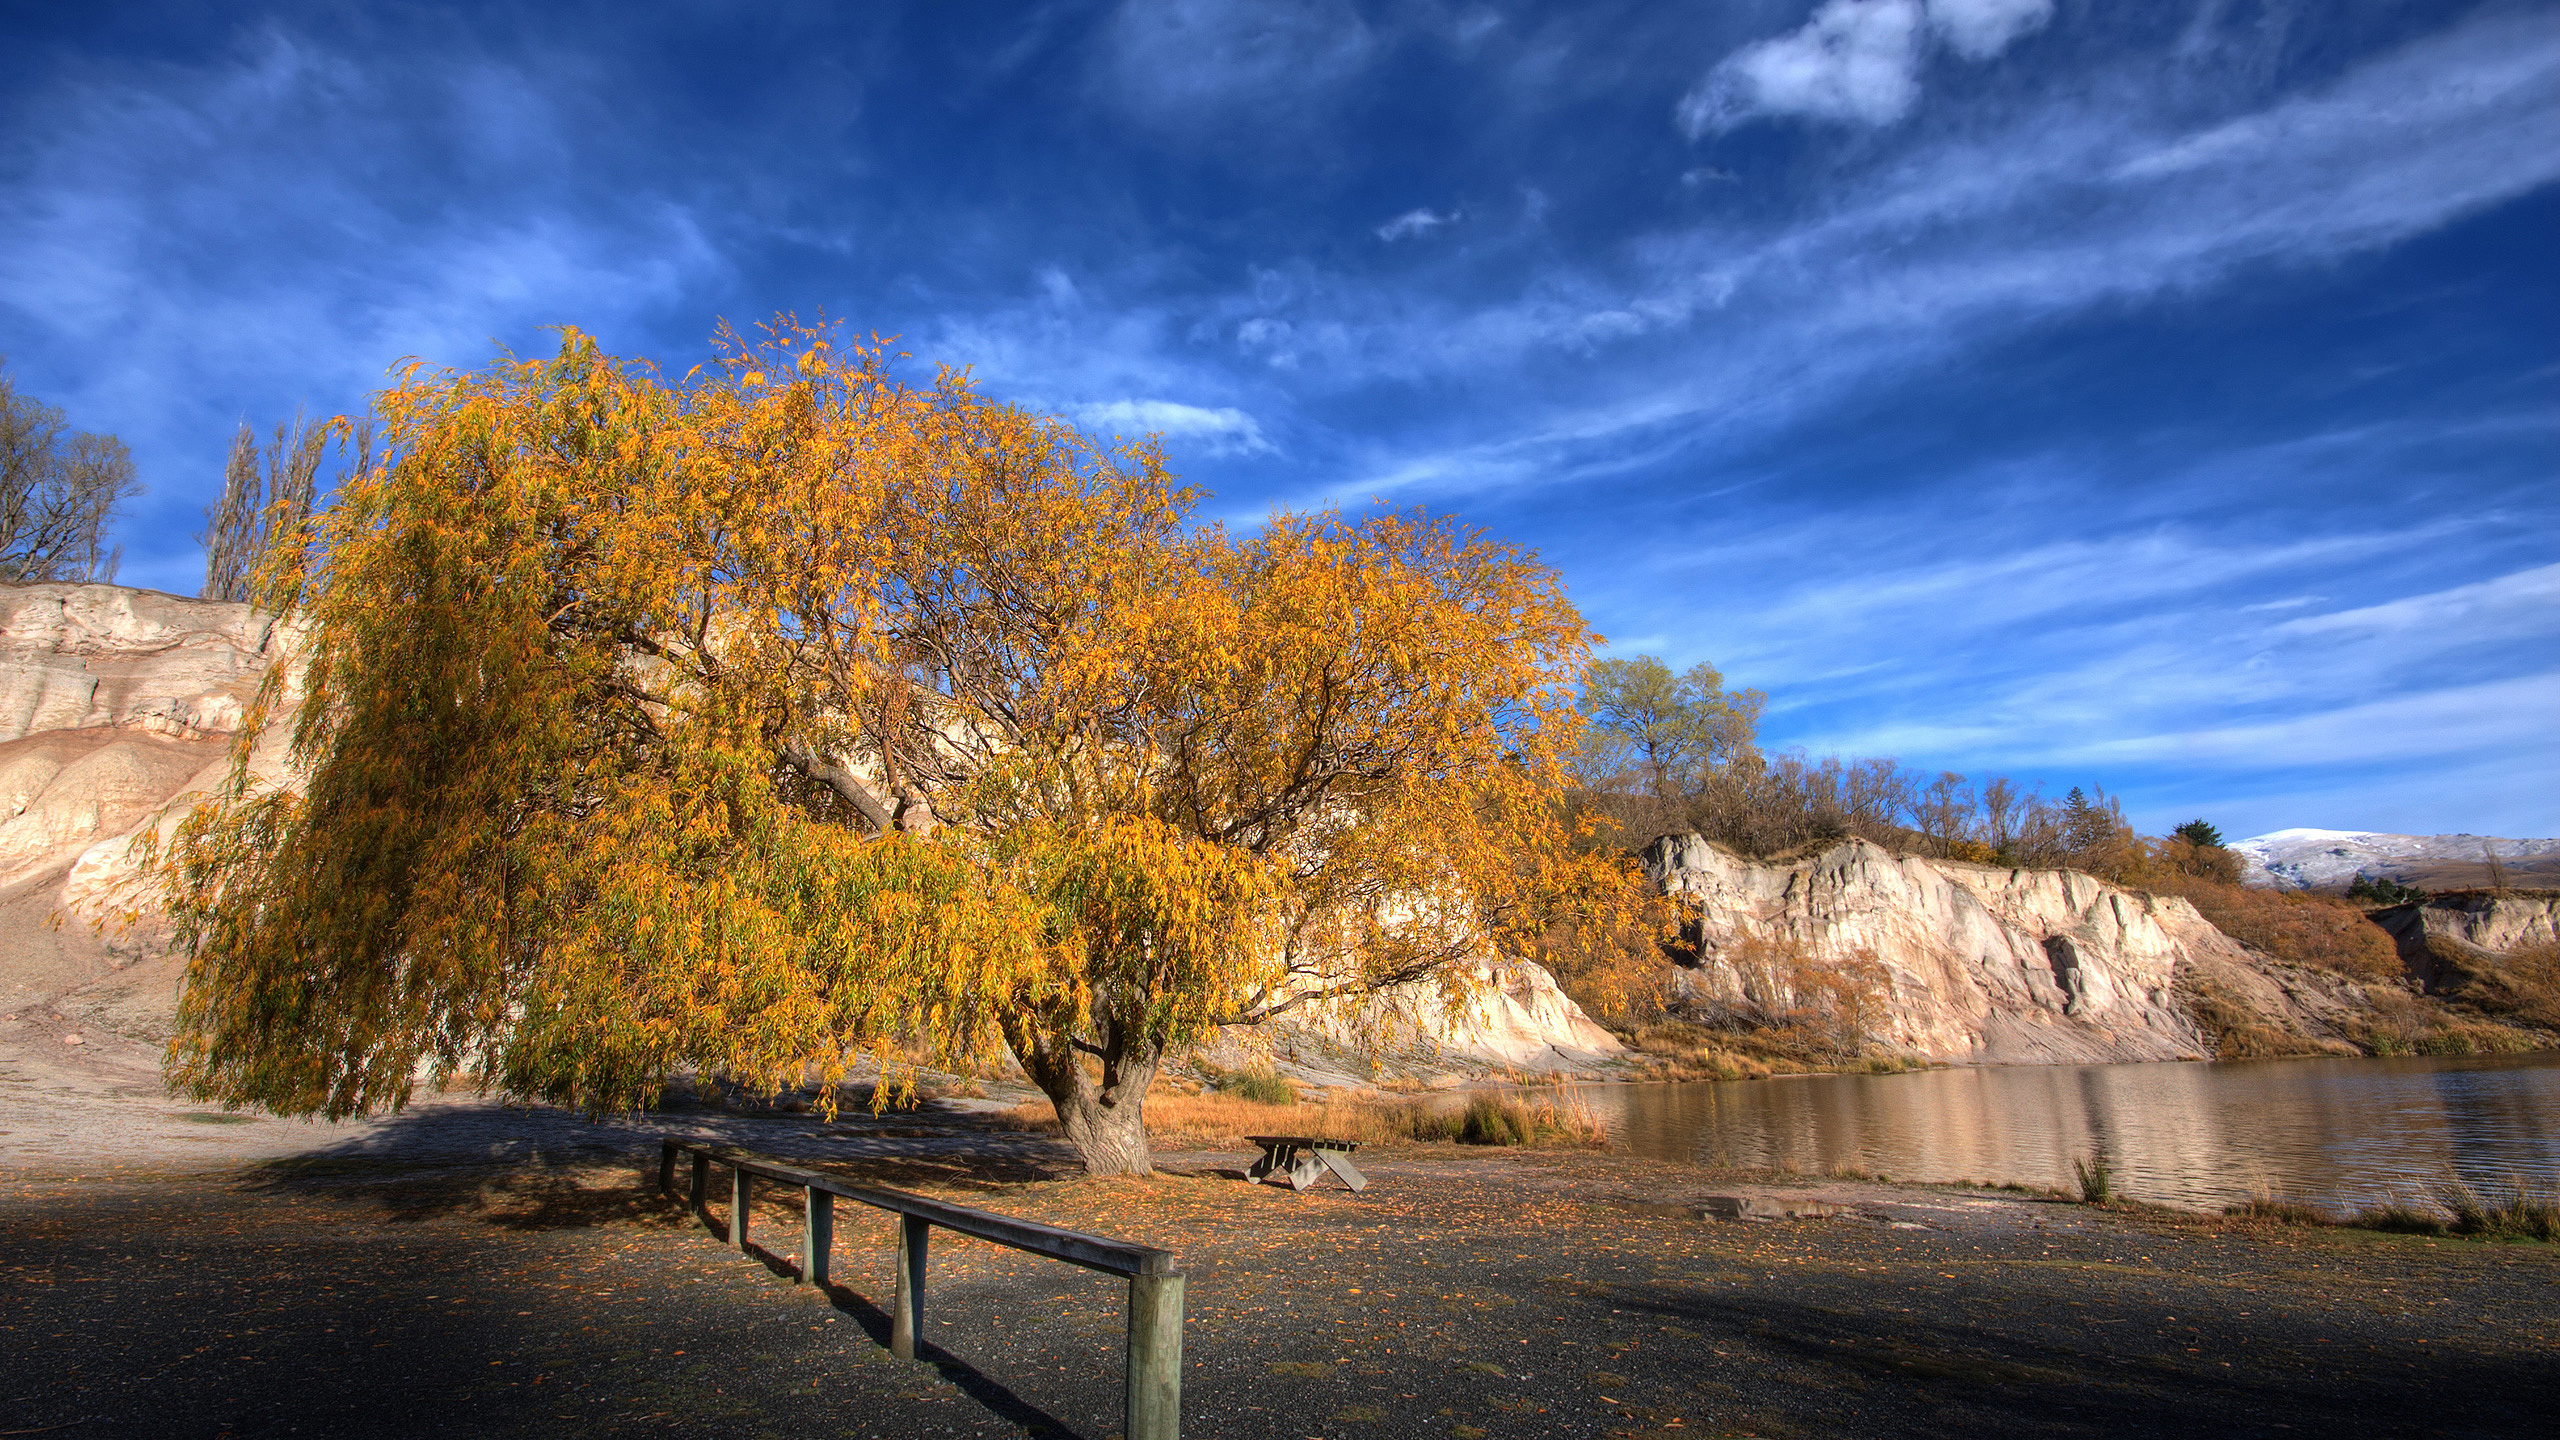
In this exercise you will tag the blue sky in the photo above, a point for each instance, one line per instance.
(2156, 395)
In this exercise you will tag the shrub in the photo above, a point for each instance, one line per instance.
(2515, 1211)
(1508, 1120)
(2315, 930)
(2097, 1181)
(2523, 983)
(2382, 891)
(1258, 1083)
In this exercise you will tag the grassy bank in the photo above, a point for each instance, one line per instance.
(2517, 1210)
(1220, 1118)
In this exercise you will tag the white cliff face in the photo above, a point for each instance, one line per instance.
(116, 705)
(2487, 924)
(1979, 963)
(1513, 1020)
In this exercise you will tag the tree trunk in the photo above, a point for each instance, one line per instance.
(1104, 1119)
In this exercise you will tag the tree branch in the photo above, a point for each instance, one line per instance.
(837, 778)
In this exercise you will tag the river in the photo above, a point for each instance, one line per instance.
(2339, 1133)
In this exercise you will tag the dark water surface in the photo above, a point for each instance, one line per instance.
(2339, 1133)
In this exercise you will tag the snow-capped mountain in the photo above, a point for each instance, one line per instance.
(2322, 859)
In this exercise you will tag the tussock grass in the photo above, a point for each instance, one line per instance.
(2517, 1210)
(2514, 1211)
(2097, 1181)
(1258, 1083)
(1508, 1120)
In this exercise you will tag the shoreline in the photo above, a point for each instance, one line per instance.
(413, 1290)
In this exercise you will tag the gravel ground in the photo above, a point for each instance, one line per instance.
(468, 1269)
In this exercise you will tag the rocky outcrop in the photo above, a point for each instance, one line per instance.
(1514, 1020)
(2451, 943)
(2491, 924)
(1972, 962)
(115, 704)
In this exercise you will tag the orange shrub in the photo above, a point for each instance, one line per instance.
(2318, 930)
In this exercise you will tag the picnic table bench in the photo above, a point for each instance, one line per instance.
(1304, 1159)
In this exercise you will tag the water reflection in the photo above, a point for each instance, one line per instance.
(2342, 1133)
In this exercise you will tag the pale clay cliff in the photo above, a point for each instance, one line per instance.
(115, 705)
(1982, 964)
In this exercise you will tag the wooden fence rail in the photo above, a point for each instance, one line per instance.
(1153, 1397)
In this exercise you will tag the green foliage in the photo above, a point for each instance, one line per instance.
(1662, 731)
(1491, 1121)
(2097, 1181)
(2378, 890)
(2200, 833)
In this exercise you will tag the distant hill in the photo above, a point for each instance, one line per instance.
(2332, 859)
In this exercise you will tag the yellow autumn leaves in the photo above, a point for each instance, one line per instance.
(744, 722)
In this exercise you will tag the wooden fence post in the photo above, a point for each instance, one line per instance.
(816, 1237)
(739, 1183)
(906, 1306)
(1152, 1409)
(701, 1195)
(666, 1167)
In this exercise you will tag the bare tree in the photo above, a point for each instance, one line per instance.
(59, 488)
(266, 499)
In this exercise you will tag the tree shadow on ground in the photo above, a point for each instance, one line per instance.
(555, 1171)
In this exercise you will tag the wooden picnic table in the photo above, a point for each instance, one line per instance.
(1304, 1159)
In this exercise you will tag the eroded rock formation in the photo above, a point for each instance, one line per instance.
(1975, 962)
(115, 705)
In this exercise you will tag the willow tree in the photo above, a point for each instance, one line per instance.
(746, 722)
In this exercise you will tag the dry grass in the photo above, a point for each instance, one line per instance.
(2237, 1031)
(2303, 929)
(2399, 1024)
(1215, 1119)
(2523, 983)
(2517, 1210)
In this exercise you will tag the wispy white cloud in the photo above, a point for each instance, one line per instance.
(1980, 29)
(243, 225)
(2512, 715)
(1419, 221)
(2524, 605)
(1222, 431)
(1971, 237)
(1855, 61)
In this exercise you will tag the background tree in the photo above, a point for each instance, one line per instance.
(1668, 731)
(266, 499)
(742, 724)
(59, 489)
(2200, 833)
